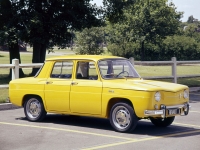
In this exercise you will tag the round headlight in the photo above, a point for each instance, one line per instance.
(186, 94)
(157, 96)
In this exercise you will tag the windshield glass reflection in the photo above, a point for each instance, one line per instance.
(117, 68)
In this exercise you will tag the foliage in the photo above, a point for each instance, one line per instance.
(153, 20)
(51, 22)
(147, 21)
(90, 41)
(114, 9)
(119, 40)
(10, 29)
(44, 24)
(190, 19)
(180, 46)
(193, 31)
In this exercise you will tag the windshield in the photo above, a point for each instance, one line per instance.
(117, 68)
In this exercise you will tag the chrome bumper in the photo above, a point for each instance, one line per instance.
(163, 109)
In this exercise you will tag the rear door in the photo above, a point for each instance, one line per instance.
(58, 85)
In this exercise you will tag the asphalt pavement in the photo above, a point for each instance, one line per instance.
(65, 132)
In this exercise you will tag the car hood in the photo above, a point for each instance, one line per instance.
(147, 85)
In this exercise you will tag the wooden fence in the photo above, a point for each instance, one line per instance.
(15, 67)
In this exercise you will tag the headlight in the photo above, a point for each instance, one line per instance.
(157, 96)
(186, 94)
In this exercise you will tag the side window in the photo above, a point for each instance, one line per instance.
(86, 70)
(62, 70)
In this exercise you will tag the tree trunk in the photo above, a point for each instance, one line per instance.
(142, 52)
(14, 53)
(39, 54)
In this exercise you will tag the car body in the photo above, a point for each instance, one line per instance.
(98, 86)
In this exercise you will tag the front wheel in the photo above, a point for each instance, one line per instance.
(34, 109)
(122, 117)
(162, 122)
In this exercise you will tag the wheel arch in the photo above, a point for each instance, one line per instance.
(115, 100)
(29, 96)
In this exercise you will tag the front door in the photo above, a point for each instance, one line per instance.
(86, 89)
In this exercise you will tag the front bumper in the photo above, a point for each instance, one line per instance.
(166, 110)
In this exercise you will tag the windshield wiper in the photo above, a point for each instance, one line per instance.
(131, 77)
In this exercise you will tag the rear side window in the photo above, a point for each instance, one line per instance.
(62, 70)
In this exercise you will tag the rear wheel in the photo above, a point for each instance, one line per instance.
(122, 117)
(34, 109)
(162, 122)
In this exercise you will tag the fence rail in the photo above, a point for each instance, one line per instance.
(15, 68)
(173, 63)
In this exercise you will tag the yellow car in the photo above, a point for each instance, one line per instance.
(98, 86)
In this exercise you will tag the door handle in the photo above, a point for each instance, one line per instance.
(49, 82)
(74, 83)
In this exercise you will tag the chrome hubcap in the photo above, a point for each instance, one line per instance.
(33, 108)
(121, 117)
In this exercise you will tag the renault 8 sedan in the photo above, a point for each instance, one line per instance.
(98, 86)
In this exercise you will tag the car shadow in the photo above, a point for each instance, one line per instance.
(87, 122)
(144, 127)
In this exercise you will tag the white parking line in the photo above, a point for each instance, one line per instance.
(195, 111)
(187, 125)
(127, 140)
(140, 140)
(67, 130)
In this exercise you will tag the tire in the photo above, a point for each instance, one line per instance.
(34, 109)
(162, 122)
(123, 118)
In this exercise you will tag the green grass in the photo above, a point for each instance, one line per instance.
(191, 82)
(3, 95)
(167, 70)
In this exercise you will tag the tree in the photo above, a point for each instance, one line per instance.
(182, 47)
(51, 22)
(190, 19)
(114, 9)
(149, 21)
(10, 30)
(119, 40)
(45, 23)
(193, 31)
(90, 41)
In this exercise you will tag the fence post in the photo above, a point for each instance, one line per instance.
(132, 60)
(15, 70)
(174, 69)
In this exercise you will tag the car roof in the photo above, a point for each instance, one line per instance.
(83, 57)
